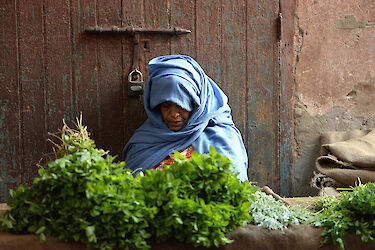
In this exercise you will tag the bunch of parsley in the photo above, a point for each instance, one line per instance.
(354, 213)
(199, 199)
(84, 196)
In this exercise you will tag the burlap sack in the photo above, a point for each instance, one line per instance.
(296, 237)
(348, 157)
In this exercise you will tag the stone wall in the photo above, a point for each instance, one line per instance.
(334, 76)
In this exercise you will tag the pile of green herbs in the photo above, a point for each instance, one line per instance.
(199, 199)
(354, 213)
(83, 195)
(273, 214)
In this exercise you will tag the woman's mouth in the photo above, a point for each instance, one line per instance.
(175, 125)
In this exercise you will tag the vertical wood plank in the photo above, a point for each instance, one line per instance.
(10, 150)
(263, 93)
(59, 89)
(85, 64)
(111, 125)
(133, 13)
(183, 15)
(209, 38)
(233, 60)
(134, 114)
(287, 8)
(157, 15)
(149, 14)
(31, 78)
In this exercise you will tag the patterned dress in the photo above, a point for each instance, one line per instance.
(170, 158)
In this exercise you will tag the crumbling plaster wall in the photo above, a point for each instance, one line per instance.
(334, 76)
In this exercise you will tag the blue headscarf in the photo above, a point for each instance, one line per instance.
(181, 80)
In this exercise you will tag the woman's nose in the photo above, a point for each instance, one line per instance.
(175, 112)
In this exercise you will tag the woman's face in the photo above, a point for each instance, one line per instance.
(173, 115)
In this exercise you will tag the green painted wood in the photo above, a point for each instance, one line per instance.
(134, 114)
(10, 131)
(286, 132)
(58, 65)
(147, 14)
(110, 90)
(85, 65)
(209, 37)
(262, 68)
(31, 78)
(157, 15)
(233, 60)
(183, 14)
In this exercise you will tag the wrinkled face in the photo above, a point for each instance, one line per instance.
(173, 115)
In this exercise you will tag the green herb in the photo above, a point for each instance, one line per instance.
(82, 196)
(355, 213)
(272, 214)
(322, 203)
(199, 199)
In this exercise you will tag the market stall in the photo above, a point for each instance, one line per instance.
(84, 196)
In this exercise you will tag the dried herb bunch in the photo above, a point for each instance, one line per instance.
(68, 140)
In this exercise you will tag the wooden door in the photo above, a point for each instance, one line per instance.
(51, 69)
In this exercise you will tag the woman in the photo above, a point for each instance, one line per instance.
(187, 112)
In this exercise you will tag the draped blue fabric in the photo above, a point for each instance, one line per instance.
(180, 79)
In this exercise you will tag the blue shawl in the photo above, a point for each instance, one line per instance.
(180, 79)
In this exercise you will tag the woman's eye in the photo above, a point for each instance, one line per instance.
(165, 105)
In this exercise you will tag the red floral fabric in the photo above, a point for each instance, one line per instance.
(170, 158)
